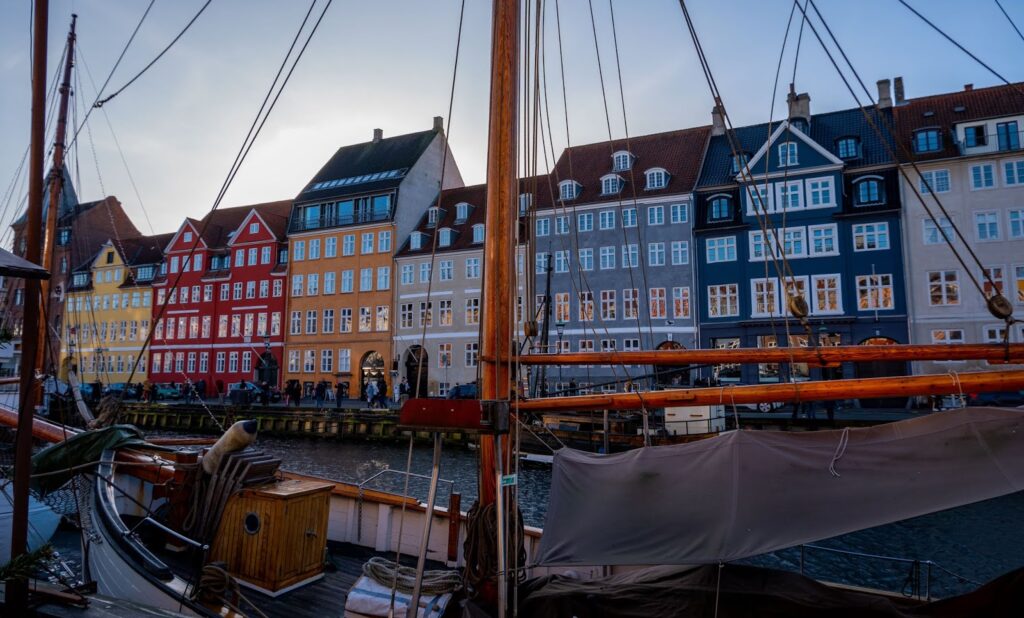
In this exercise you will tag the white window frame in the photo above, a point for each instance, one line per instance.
(816, 307)
(771, 282)
(992, 173)
(833, 228)
(994, 214)
(881, 229)
(930, 178)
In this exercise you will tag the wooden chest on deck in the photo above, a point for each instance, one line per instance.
(273, 536)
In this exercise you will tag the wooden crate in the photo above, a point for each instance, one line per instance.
(273, 536)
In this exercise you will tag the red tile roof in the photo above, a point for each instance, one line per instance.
(221, 222)
(945, 110)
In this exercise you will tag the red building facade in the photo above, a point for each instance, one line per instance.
(219, 301)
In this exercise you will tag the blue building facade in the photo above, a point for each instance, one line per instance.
(808, 208)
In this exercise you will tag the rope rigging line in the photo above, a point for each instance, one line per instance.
(1010, 19)
(131, 81)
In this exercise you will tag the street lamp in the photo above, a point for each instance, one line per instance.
(560, 329)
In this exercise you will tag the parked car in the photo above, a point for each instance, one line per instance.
(255, 390)
(997, 398)
(763, 407)
(86, 391)
(124, 389)
(165, 391)
(463, 391)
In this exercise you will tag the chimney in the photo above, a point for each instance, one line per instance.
(799, 108)
(884, 96)
(898, 90)
(717, 121)
(438, 123)
(378, 134)
(968, 87)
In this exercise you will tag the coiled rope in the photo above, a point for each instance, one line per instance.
(216, 584)
(403, 578)
(481, 545)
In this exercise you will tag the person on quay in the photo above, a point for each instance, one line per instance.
(319, 394)
(339, 394)
(371, 393)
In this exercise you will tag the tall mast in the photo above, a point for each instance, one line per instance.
(30, 346)
(499, 244)
(56, 189)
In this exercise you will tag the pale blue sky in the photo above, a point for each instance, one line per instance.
(388, 64)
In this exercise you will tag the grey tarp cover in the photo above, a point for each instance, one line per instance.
(746, 493)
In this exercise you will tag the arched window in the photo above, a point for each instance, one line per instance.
(868, 190)
(444, 237)
(611, 184)
(622, 161)
(462, 212)
(848, 147)
(568, 189)
(719, 208)
(657, 178)
(478, 233)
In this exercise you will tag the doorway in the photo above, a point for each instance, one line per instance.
(416, 370)
(881, 369)
(372, 367)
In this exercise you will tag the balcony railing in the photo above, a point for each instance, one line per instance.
(994, 142)
(306, 224)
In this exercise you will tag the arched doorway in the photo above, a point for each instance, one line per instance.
(881, 369)
(669, 376)
(372, 368)
(268, 369)
(416, 370)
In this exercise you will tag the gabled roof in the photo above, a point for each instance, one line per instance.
(143, 249)
(678, 152)
(825, 130)
(68, 199)
(367, 167)
(792, 131)
(476, 197)
(220, 223)
(945, 110)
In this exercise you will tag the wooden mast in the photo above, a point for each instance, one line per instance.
(56, 189)
(993, 353)
(17, 591)
(499, 244)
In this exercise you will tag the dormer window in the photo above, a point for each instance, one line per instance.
(974, 136)
(433, 214)
(787, 154)
(64, 236)
(145, 273)
(187, 236)
(416, 241)
(478, 233)
(81, 279)
(657, 178)
(525, 201)
(461, 212)
(611, 184)
(739, 162)
(719, 208)
(869, 191)
(445, 237)
(848, 147)
(110, 257)
(927, 140)
(568, 189)
(622, 161)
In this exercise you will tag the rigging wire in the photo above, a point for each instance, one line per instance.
(100, 103)
(1010, 19)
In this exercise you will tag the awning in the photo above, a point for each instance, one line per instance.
(14, 266)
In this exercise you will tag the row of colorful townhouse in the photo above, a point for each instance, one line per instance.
(690, 238)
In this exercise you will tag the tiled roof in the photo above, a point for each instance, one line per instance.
(476, 197)
(144, 249)
(678, 152)
(945, 110)
(825, 130)
(391, 156)
(221, 222)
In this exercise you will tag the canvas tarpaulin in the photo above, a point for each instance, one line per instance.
(746, 493)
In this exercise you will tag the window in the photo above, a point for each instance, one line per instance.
(426, 314)
(461, 212)
(974, 136)
(875, 292)
(308, 361)
(622, 161)
(681, 303)
(823, 239)
(472, 268)
(723, 300)
(611, 184)
(656, 179)
(656, 254)
(1013, 172)
(655, 215)
(794, 241)
(982, 176)
(606, 219)
(630, 303)
(629, 217)
(947, 335)
(739, 161)
(992, 280)
(934, 180)
(543, 227)
(1018, 275)
(384, 241)
(383, 317)
(787, 154)
(314, 250)
(790, 195)
(630, 256)
(299, 253)
(444, 355)
(331, 247)
(344, 359)
(562, 225)
(586, 257)
(278, 288)
(764, 297)
(993, 334)
(330, 285)
(311, 320)
(365, 319)
(383, 277)
(608, 304)
(312, 284)
(720, 209)
(275, 324)
(680, 252)
(366, 279)
(848, 147)
(265, 255)
(927, 140)
(348, 244)
(444, 312)
(932, 236)
(987, 225)
(472, 350)
(868, 191)
(542, 263)
(367, 243)
(1016, 218)
(233, 362)
(679, 213)
(607, 258)
(1008, 135)
(943, 287)
(585, 222)
(347, 280)
(827, 297)
(562, 307)
(405, 315)
(295, 325)
(721, 249)
(445, 270)
(820, 193)
(568, 189)
(478, 233)
(297, 285)
(870, 236)
(472, 311)
(327, 360)
(586, 306)
(444, 238)
(408, 274)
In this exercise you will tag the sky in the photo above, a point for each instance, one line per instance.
(389, 63)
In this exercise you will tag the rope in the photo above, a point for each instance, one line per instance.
(844, 440)
(480, 548)
(1009, 19)
(403, 578)
(216, 584)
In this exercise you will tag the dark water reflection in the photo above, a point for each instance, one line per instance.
(976, 542)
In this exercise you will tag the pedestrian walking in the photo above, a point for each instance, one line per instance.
(339, 394)
(403, 391)
(371, 393)
(319, 393)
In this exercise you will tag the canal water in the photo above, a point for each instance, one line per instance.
(969, 545)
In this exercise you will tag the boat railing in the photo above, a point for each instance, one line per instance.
(386, 471)
(918, 581)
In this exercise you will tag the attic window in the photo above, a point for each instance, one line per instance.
(187, 236)
(611, 184)
(787, 154)
(928, 114)
(739, 161)
(81, 279)
(622, 161)
(927, 140)
(657, 178)
(433, 214)
(461, 212)
(445, 238)
(478, 233)
(416, 241)
(254, 228)
(959, 108)
(110, 257)
(974, 136)
(568, 189)
(525, 201)
(848, 147)
(145, 273)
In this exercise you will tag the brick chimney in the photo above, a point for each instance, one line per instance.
(717, 121)
(438, 123)
(898, 90)
(799, 108)
(968, 87)
(884, 96)
(378, 134)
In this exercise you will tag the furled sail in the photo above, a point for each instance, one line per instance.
(745, 493)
